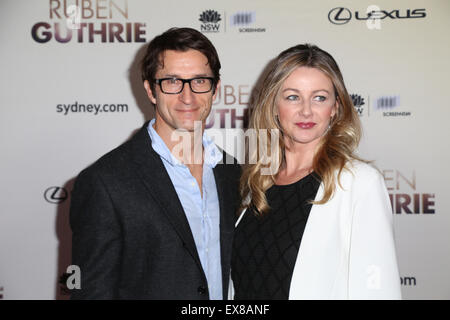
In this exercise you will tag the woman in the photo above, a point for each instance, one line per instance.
(320, 227)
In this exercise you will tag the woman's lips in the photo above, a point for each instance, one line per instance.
(306, 125)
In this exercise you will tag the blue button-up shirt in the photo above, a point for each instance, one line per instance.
(203, 213)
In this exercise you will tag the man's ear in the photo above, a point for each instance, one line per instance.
(216, 90)
(150, 94)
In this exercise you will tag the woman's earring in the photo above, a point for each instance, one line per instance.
(329, 123)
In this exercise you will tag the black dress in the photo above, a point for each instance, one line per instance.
(265, 247)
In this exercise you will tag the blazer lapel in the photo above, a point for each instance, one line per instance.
(225, 199)
(227, 214)
(151, 170)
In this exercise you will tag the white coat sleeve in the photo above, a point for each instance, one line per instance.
(373, 269)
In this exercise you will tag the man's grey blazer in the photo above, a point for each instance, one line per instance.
(130, 236)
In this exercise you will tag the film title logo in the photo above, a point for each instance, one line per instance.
(412, 202)
(70, 21)
(235, 112)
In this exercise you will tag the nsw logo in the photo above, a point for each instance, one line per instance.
(358, 102)
(210, 21)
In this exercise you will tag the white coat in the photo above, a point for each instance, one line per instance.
(347, 250)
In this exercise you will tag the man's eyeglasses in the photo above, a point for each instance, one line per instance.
(176, 85)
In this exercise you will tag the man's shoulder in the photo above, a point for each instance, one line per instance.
(113, 158)
(116, 160)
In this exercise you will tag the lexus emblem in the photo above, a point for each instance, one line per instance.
(339, 15)
(56, 195)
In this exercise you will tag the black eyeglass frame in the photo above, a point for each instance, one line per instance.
(211, 79)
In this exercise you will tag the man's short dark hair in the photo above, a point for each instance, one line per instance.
(178, 39)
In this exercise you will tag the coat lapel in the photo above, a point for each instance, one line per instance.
(151, 170)
(227, 214)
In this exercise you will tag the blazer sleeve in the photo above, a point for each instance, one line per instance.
(373, 270)
(96, 238)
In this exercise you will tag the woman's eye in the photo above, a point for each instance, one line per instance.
(292, 98)
(320, 98)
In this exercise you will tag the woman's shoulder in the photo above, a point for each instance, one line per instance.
(361, 171)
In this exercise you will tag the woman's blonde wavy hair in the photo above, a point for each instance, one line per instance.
(336, 147)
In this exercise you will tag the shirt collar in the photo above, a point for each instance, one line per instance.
(212, 154)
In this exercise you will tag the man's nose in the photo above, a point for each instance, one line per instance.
(186, 95)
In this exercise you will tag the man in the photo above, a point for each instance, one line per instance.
(151, 220)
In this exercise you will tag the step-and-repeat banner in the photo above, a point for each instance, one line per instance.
(71, 91)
